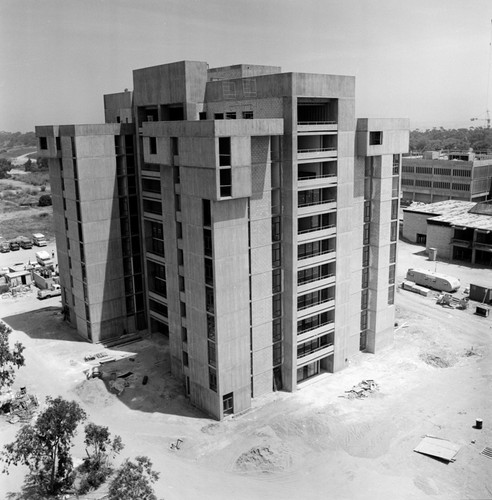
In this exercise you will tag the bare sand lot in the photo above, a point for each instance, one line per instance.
(435, 379)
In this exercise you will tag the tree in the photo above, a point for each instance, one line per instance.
(45, 200)
(133, 481)
(100, 451)
(5, 167)
(45, 446)
(9, 358)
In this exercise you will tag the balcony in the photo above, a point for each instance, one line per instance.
(461, 243)
(316, 207)
(317, 153)
(312, 181)
(319, 307)
(315, 283)
(316, 233)
(306, 127)
(320, 353)
(319, 258)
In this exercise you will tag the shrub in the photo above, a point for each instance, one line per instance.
(45, 200)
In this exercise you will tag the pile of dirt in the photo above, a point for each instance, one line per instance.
(435, 360)
(265, 459)
(93, 392)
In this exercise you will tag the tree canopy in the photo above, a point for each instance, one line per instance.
(477, 138)
(44, 447)
(10, 359)
(133, 481)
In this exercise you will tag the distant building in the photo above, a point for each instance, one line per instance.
(453, 176)
(241, 211)
(458, 230)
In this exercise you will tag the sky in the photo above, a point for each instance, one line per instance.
(426, 60)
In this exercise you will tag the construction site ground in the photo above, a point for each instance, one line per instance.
(315, 444)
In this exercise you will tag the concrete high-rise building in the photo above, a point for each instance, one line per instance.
(241, 211)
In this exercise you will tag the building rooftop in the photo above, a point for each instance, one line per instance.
(457, 213)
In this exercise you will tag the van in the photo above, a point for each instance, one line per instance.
(14, 245)
(436, 281)
(39, 239)
(24, 242)
(44, 259)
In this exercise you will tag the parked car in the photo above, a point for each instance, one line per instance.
(24, 242)
(49, 292)
(4, 245)
(14, 245)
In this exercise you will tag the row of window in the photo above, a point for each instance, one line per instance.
(456, 172)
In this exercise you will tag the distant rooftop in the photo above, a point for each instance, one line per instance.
(457, 213)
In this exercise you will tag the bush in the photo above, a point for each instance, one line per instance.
(45, 200)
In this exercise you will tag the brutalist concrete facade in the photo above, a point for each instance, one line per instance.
(267, 221)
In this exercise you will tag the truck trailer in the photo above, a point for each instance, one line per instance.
(436, 281)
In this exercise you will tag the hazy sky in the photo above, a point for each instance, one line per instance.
(428, 60)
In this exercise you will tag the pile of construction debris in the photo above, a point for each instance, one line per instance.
(362, 390)
(18, 407)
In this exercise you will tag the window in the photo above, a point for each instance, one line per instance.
(391, 278)
(393, 253)
(364, 299)
(209, 272)
(229, 90)
(375, 138)
(367, 211)
(365, 277)
(394, 230)
(367, 234)
(249, 87)
(276, 228)
(365, 256)
(277, 354)
(228, 404)
(58, 143)
(391, 295)
(179, 230)
(394, 209)
(210, 327)
(177, 200)
(363, 320)
(185, 358)
(224, 151)
(225, 182)
(212, 379)
(276, 255)
(247, 115)
(276, 305)
(157, 307)
(152, 206)
(209, 299)
(202, 115)
(151, 185)
(218, 116)
(153, 145)
(180, 257)
(174, 146)
(43, 143)
(277, 330)
(396, 164)
(212, 359)
(230, 115)
(184, 334)
(207, 213)
(182, 309)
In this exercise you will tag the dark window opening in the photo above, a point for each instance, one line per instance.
(375, 138)
(228, 404)
(43, 143)
(247, 115)
(153, 145)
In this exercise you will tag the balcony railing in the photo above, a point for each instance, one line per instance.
(316, 150)
(303, 177)
(325, 122)
(318, 228)
(331, 322)
(311, 255)
(308, 353)
(313, 304)
(313, 203)
(318, 278)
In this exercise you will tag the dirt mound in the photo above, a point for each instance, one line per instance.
(266, 459)
(94, 392)
(436, 360)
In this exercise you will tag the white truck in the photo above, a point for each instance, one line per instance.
(39, 240)
(44, 259)
(49, 292)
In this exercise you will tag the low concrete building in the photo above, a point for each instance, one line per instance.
(435, 177)
(458, 230)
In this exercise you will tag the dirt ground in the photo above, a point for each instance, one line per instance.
(435, 379)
